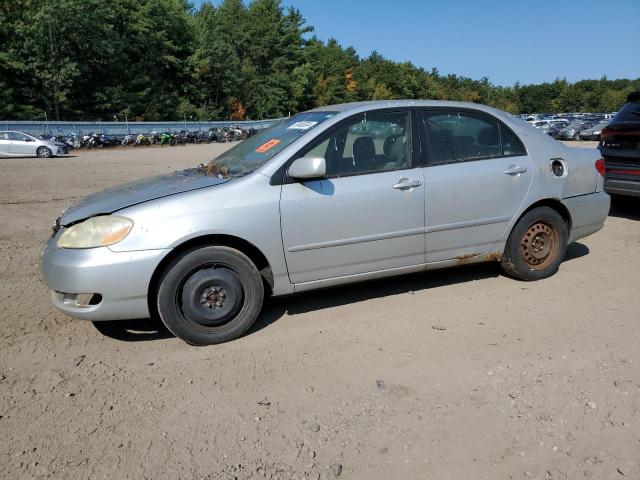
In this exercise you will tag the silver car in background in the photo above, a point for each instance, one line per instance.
(339, 194)
(593, 133)
(18, 144)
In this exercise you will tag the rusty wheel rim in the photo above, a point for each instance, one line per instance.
(539, 245)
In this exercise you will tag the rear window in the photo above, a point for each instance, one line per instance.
(629, 113)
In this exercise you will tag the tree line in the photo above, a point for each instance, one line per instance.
(167, 60)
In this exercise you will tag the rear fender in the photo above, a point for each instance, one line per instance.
(582, 176)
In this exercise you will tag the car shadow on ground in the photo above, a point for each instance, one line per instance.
(140, 330)
(276, 308)
(625, 207)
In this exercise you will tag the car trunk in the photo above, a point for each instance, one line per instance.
(620, 145)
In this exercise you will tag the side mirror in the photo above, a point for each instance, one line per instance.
(308, 167)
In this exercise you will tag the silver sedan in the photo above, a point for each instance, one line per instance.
(340, 194)
(18, 144)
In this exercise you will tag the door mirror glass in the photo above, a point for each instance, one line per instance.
(308, 167)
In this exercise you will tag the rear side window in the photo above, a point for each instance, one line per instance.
(459, 136)
(511, 144)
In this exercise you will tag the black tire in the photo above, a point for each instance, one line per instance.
(536, 246)
(44, 152)
(576, 137)
(210, 295)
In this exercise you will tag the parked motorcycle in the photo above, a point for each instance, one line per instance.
(142, 140)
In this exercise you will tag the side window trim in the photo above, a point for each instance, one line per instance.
(473, 113)
(281, 177)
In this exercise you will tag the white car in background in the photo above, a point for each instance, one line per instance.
(18, 144)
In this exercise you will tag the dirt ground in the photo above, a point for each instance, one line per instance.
(455, 374)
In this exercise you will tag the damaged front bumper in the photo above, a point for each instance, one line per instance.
(97, 283)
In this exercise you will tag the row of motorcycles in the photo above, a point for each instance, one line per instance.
(95, 140)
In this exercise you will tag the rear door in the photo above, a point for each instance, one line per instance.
(478, 174)
(367, 214)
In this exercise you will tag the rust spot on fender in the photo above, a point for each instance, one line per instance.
(494, 257)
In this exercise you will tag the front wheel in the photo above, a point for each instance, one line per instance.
(210, 295)
(536, 246)
(44, 152)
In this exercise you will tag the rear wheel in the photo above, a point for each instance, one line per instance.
(44, 152)
(537, 245)
(210, 295)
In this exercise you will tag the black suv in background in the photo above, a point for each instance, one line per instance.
(620, 147)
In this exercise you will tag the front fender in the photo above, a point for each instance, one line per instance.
(247, 208)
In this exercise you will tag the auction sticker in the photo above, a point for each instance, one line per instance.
(306, 125)
(265, 147)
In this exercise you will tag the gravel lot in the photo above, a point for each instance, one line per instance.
(456, 374)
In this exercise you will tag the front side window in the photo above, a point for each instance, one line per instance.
(18, 137)
(368, 143)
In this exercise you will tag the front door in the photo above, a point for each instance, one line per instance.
(4, 144)
(21, 144)
(477, 176)
(367, 214)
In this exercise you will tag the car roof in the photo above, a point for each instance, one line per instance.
(355, 107)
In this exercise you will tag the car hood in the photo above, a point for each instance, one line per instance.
(113, 199)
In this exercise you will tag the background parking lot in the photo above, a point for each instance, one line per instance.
(460, 373)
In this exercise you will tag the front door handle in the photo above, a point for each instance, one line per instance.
(406, 183)
(515, 170)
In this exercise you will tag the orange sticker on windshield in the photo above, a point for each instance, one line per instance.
(265, 147)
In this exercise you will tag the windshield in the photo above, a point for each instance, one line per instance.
(250, 154)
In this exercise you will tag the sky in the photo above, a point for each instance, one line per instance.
(529, 41)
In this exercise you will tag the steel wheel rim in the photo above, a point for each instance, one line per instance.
(45, 153)
(539, 245)
(211, 302)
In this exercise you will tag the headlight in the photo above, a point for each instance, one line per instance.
(96, 232)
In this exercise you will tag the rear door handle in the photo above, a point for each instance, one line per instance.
(515, 170)
(405, 183)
